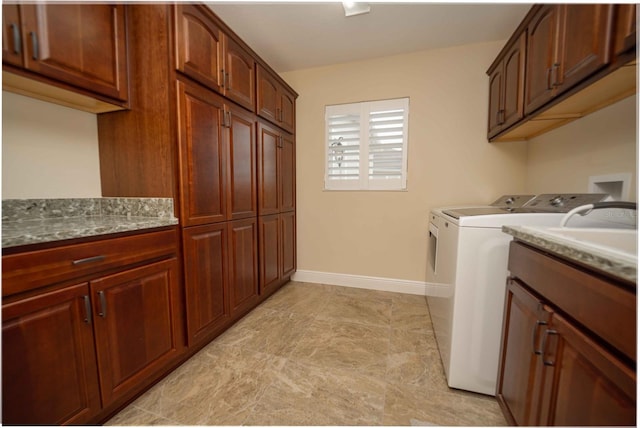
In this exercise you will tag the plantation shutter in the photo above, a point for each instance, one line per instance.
(366, 145)
(387, 143)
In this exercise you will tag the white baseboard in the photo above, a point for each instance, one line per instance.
(358, 281)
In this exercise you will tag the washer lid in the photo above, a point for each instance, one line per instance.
(470, 212)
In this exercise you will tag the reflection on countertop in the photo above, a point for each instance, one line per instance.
(31, 221)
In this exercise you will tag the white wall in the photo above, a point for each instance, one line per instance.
(383, 234)
(48, 151)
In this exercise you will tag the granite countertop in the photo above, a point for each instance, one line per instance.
(599, 259)
(32, 221)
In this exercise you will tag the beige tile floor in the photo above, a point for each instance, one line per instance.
(317, 355)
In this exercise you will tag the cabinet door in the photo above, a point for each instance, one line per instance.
(287, 173)
(11, 35)
(270, 258)
(524, 321)
(495, 100)
(202, 155)
(268, 170)
(288, 243)
(584, 383)
(199, 46)
(513, 102)
(541, 41)
(287, 110)
(239, 69)
(205, 272)
(267, 95)
(49, 373)
(243, 263)
(625, 28)
(137, 325)
(584, 43)
(80, 44)
(241, 194)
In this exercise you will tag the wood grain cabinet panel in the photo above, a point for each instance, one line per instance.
(49, 371)
(206, 281)
(288, 243)
(541, 39)
(242, 196)
(83, 45)
(555, 370)
(243, 264)
(274, 102)
(210, 56)
(584, 45)
(506, 88)
(202, 154)
(270, 255)
(199, 46)
(625, 28)
(268, 169)
(138, 328)
(239, 73)
(73, 353)
(11, 35)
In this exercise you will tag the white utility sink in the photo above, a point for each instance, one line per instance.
(622, 241)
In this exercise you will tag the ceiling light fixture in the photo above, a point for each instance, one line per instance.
(352, 8)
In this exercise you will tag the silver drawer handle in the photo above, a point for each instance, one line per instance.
(103, 304)
(88, 260)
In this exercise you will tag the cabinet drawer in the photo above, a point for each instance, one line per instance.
(27, 271)
(604, 307)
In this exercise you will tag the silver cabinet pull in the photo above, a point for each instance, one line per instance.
(88, 260)
(34, 43)
(87, 309)
(17, 43)
(103, 304)
(534, 334)
(545, 335)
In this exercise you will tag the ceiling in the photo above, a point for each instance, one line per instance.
(297, 35)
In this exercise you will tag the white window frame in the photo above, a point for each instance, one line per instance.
(364, 181)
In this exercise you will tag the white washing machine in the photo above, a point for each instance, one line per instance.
(466, 273)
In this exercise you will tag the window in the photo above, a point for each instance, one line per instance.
(366, 145)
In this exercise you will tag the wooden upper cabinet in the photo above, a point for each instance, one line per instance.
(625, 28)
(83, 45)
(239, 74)
(275, 102)
(11, 35)
(199, 46)
(566, 44)
(202, 154)
(208, 55)
(584, 44)
(49, 371)
(506, 88)
(541, 40)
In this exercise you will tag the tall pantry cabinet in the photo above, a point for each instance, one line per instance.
(193, 134)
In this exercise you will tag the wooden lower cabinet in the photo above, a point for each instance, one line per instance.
(137, 327)
(554, 371)
(221, 275)
(206, 287)
(277, 249)
(49, 371)
(73, 353)
(243, 264)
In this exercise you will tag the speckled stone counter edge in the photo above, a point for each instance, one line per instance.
(598, 260)
(31, 209)
(31, 221)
